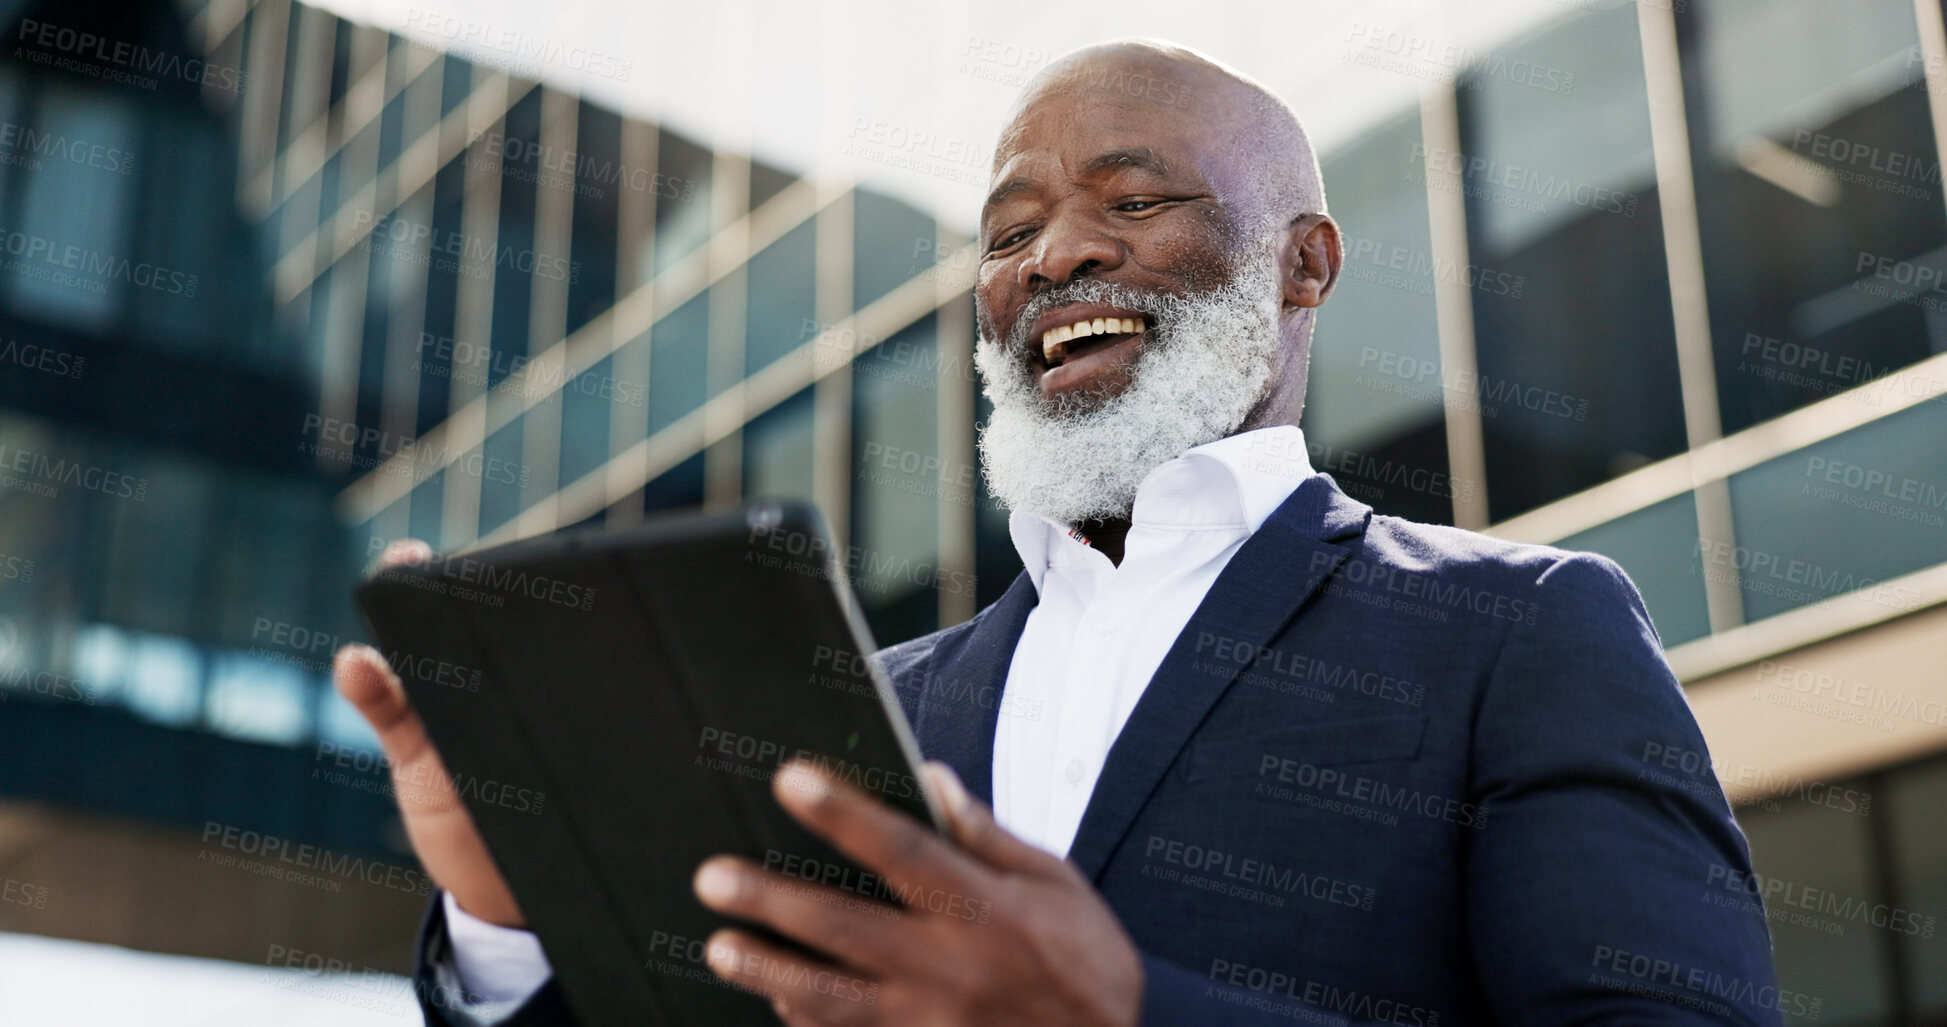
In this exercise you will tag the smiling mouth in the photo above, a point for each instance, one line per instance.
(1057, 342)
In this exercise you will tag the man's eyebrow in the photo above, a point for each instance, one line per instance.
(1141, 158)
(1005, 190)
(1138, 157)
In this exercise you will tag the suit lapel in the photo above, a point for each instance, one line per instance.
(1276, 570)
(964, 682)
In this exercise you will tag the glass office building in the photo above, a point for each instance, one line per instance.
(1659, 280)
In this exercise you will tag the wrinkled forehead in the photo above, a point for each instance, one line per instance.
(1170, 124)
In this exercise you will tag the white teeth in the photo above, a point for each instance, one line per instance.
(1054, 342)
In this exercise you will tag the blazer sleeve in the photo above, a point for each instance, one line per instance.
(443, 1003)
(1588, 888)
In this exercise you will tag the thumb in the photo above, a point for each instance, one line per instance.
(972, 825)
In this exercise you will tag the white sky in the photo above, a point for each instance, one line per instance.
(799, 82)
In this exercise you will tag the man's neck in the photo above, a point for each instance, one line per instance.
(1106, 536)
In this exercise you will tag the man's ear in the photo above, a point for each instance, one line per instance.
(1309, 260)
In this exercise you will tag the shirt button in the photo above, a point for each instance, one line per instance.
(1075, 769)
(1104, 623)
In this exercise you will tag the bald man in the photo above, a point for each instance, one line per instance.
(1231, 749)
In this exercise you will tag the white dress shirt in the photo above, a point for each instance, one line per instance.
(1100, 629)
(1090, 646)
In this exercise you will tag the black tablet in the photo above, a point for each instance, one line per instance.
(612, 707)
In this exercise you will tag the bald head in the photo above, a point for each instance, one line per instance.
(1274, 171)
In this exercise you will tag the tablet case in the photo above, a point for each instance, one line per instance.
(612, 706)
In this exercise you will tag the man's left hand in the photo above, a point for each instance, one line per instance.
(993, 930)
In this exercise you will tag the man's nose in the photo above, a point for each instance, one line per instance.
(1068, 248)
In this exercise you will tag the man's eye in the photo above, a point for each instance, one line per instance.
(1014, 238)
(1137, 206)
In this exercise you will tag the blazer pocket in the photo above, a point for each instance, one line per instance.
(1393, 736)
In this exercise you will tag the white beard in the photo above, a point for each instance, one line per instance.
(1205, 364)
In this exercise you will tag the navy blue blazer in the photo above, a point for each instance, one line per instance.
(1391, 773)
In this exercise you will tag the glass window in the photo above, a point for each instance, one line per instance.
(258, 699)
(782, 298)
(778, 453)
(1657, 548)
(682, 199)
(1374, 419)
(602, 180)
(1841, 516)
(892, 242)
(1915, 797)
(1575, 340)
(1818, 187)
(75, 220)
(587, 407)
(1811, 860)
(679, 347)
(165, 679)
(897, 481)
(767, 181)
(496, 469)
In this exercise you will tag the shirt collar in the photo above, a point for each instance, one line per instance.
(1234, 483)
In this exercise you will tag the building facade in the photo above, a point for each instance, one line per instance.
(1659, 280)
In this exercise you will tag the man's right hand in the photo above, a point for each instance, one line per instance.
(441, 830)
